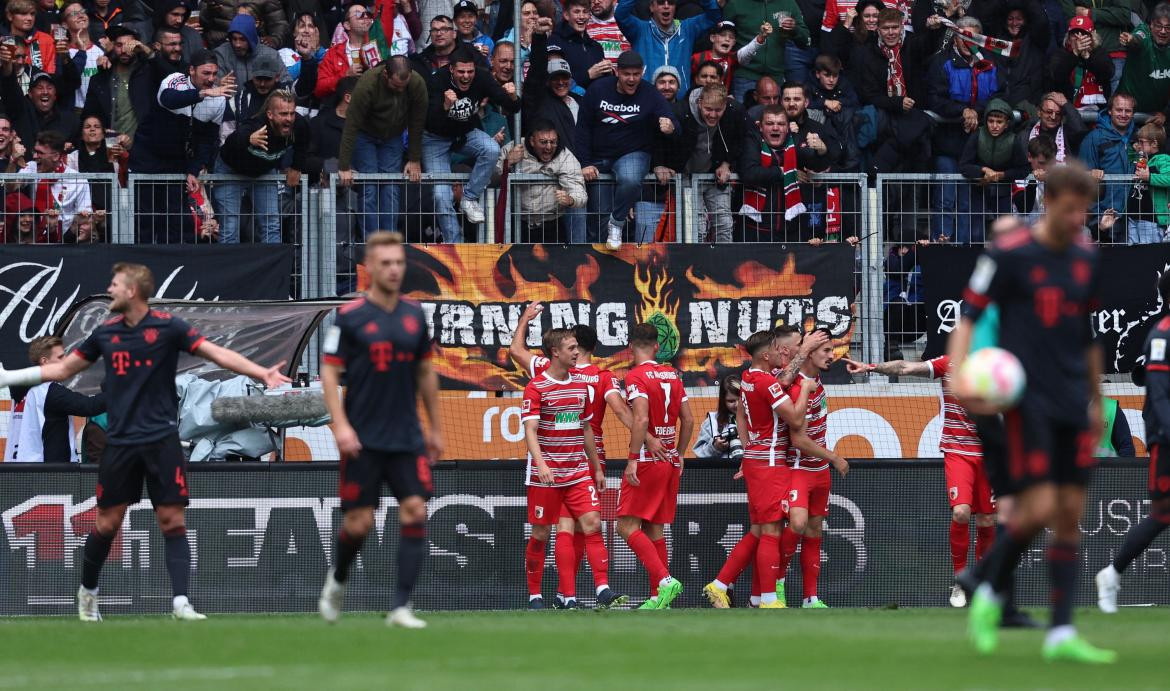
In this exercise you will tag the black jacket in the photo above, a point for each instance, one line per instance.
(169, 140)
(868, 71)
(145, 76)
(325, 134)
(580, 51)
(726, 141)
(538, 102)
(464, 115)
(424, 63)
(1062, 63)
(28, 121)
(238, 153)
(60, 403)
(972, 168)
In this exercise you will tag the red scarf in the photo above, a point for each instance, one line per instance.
(43, 200)
(895, 79)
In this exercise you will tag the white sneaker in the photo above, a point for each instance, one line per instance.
(405, 618)
(87, 605)
(471, 209)
(332, 598)
(1108, 585)
(185, 612)
(614, 241)
(958, 597)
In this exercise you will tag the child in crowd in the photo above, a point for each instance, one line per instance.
(722, 43)
(1146, 215)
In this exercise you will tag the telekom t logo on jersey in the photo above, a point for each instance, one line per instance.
(120, 361)
(381, 354)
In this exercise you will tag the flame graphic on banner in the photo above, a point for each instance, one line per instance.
(659, 305)
(754, 280)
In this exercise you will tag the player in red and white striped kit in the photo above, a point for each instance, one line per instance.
(649, 492)
(968, 489)
(563, 471)
(810, 484)
(605, 393)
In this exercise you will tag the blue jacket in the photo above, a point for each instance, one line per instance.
(658, 49)
(1104, 148)
(948, 93)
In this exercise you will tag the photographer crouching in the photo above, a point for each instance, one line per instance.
(718, 436)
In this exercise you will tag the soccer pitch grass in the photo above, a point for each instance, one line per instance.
(679, 649)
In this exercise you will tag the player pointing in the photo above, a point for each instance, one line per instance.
(380, 341)
(141, 349)
(649, 494)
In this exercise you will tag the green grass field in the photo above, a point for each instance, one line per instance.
(680, 649)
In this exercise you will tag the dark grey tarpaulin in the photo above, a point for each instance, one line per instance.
(264, 331)
(262, 537)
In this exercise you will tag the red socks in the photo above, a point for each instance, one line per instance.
(960, 536)
(757, 587)
(810, 564)
(789, 540)
(534, 564)
(566, 564)
(598, 558)
(643, 547)
(767, 559)
(578, 550)
(660, 549)
(741, 555)
(984, 538)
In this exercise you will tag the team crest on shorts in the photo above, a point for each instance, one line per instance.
(151, 335)
(793, 494)
(954, 493)
(539, 511)
(784, 505)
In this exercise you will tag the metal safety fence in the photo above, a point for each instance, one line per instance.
(263, 536)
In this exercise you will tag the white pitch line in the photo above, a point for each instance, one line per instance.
(83, 678)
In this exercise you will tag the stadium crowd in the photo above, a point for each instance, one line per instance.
(771, 92)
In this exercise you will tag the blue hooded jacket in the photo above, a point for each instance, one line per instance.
(1107, 149)
(658, 49)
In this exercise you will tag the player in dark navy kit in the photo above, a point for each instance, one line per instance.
(141, 349)
(380, 341)
(1045, 282)
(1157, 418)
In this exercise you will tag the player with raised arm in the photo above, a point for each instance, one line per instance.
(1045, 282)
(1157, 418)
(563, 470)
(605, 393)
(380, 341)
(649, 490)
(764, 418)
(968, 489)
(141, 349)
(811, 481)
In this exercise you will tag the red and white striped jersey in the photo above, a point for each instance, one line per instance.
(816, 424)
(561, 409)
(602, 383)
(662, 387)
(958, 435)
(759, 397)
(607, 33)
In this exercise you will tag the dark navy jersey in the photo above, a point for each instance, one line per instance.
(1045, 299)
(380, 352)
(1157, 409)
(141, 362)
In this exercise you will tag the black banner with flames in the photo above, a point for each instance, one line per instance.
(705, 301)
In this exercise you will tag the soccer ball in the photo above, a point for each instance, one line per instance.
(995, 375)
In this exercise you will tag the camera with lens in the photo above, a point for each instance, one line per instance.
(730, 434)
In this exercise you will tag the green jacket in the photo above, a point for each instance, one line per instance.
(1147, 72)
(1160, 186)
(748, 15)
(1110, 18)
(384, 114)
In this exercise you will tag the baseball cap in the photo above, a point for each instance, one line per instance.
(266, 66)
(115, 32)
(629, 58)
(558, 66)
(723, 26)
(465, 6)
(553, 48)
(37, 76)
(1081, 24)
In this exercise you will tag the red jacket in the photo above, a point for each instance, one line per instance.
(334, 65)
(48, 50)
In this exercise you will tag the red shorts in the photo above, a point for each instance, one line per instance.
(809, 490)
(544, 503)
(967, 483)
(767, 488)
(655, 498)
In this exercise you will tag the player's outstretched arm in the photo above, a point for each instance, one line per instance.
(231, 360)
(343, 432)
(54, 371)
(428, 389)
(897, 368)
(530, 439)
(518, 349)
